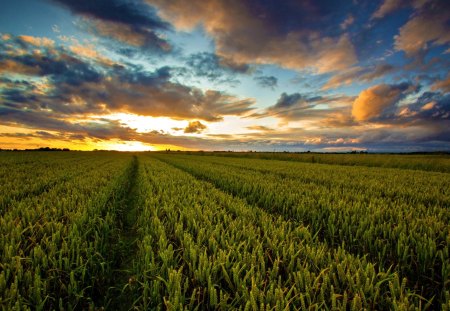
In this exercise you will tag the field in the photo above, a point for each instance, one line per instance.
(206, 231)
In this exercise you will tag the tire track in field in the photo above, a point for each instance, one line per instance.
(119, 295)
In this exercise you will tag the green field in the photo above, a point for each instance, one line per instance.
(207, 231)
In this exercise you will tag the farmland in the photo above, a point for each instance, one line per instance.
(85, 230)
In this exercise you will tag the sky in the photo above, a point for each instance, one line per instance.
(267, 75)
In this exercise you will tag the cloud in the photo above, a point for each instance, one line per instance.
(443, 85)
(32, 56)
(347, 22)
(357, 75)
(269, 82)
(318, 111)
(260, 128)
(295, 99)
(428, 27)
(206, 64)
(67, 84)
(89, 52)
(55, 29)
(389, 6)
(376, 72)
(131, 22)
(252, 32)
(371, 102)
(39, 42)
(129, 35)
(195, 127)
(430, 107)
(214, 68)
(11, 66)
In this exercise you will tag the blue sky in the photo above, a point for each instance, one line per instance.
(225, 75)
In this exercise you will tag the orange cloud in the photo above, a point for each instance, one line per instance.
(428, 106)
(372, 102)
(15, 67)
(245, 38)
(90, 52)
(195, 127)
(39, 42)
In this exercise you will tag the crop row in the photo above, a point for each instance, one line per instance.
(399, 229)
(200, 248)
(428, 162)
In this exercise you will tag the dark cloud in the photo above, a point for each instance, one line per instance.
(36, 134)
(296, 99)
(132, 22)
(45, 121)
(429, 107)
(292, 34)
(126, 12)
(43, 60)
(35, 119)
(291, 15)
(213, 67)
(323, 111)
(270, 82)
(195, 127)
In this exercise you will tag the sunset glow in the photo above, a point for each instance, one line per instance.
(225, 75)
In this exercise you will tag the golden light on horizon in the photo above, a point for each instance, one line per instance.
(125, 146)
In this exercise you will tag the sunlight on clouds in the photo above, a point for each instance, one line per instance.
(144, 124)
(230, 125)
(119, 145)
